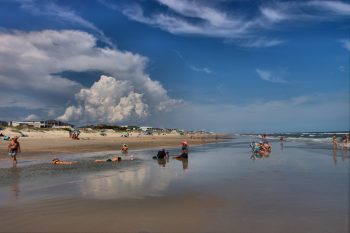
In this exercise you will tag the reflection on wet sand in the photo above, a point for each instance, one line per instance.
(344, 154)
(161, 162)
(335, 155)
(255, 156)
(136, 182)
(184, 163)
(14, 182)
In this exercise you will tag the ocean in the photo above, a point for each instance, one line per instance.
(315, 137)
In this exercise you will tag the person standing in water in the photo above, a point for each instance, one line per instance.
(184, 150)
(335, 142)
(14, 148)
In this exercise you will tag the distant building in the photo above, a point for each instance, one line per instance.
(146, 128)
(3, 123)
(57, 124)
(41, 124)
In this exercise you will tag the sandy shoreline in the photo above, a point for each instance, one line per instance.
(58, 142)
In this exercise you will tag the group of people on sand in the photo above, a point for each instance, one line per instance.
(74, 134)
(345, 141)
(14, 148)
(260, 149)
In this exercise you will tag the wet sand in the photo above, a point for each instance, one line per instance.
(58, 144)
(299, 188)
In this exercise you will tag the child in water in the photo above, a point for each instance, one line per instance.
(125, 148)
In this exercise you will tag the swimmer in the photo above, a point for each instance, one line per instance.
(115, 159)
(57, 161)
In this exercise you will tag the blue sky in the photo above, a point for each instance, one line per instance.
(233, 66)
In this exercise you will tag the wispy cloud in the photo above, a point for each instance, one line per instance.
(179, 54)
(305, 11)
(270, 76)
(182, 23)
(199, 69)
(262, 42)
(193, 67)
(346, 44)
(216, 19)
(335, 7)
(54, 11)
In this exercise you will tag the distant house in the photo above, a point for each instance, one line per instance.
(3, 123)
(57, 124)
(23, 123)
(145, 128)
(41, 124)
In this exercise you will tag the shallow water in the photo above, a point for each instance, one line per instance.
(299, 188)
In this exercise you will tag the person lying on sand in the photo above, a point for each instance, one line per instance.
(57, 161)
(115, 159)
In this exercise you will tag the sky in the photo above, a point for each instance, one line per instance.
(224, 65)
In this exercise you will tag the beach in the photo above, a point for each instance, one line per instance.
(301, 187)
(40, 143)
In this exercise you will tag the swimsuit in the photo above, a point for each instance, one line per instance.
(13, 152)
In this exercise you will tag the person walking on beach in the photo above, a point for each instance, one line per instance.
(335, 142)
(14, 148)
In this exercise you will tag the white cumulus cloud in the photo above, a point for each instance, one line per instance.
(32, 64)
(108, 100)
